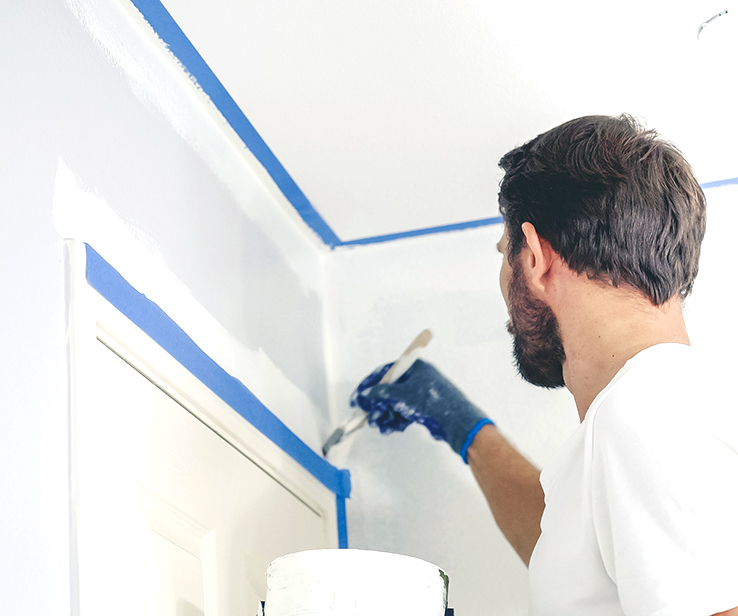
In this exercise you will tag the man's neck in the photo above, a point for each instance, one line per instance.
(603, 327)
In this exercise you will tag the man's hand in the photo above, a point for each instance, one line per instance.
(421, 395)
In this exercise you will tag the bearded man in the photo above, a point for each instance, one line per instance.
(603, 226)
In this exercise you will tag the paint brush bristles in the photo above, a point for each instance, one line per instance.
(396, 371)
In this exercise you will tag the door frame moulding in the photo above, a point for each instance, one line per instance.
(105, 308)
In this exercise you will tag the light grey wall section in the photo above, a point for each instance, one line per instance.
(34, 450)
(34, 453)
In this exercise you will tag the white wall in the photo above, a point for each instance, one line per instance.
(106, 140)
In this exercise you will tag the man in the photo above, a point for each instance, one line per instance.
(603, 227)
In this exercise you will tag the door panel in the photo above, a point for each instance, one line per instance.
(171, 518)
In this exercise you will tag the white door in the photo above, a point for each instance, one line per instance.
(173, 509)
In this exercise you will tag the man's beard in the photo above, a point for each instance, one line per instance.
(537, 346)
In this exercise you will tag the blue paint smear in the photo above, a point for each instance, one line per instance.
(167, 29)
(167, 334)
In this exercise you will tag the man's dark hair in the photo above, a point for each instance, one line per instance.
(613, 199)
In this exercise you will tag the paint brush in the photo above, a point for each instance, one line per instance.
(396, 371)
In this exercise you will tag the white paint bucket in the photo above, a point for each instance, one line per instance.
(354, 583)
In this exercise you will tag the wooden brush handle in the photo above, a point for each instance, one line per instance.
(420, 341)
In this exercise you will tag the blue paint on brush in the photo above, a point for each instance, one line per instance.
(388, 414)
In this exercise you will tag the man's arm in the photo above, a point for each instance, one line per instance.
(508, 481)
(511, 486)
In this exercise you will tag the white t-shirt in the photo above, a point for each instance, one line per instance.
(641, 513)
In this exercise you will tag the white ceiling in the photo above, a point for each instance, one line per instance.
(391, 115)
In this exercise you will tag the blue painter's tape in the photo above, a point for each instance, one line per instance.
(167, 334)
(342, 525)
(431, 230)
(719, 183)
(169, 31)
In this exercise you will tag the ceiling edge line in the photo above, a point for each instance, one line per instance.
(167, 29)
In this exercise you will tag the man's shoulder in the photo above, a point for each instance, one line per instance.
(668, 390)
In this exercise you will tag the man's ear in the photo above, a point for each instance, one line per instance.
(537, 259)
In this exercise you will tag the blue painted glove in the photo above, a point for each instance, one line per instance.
(421, 395)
